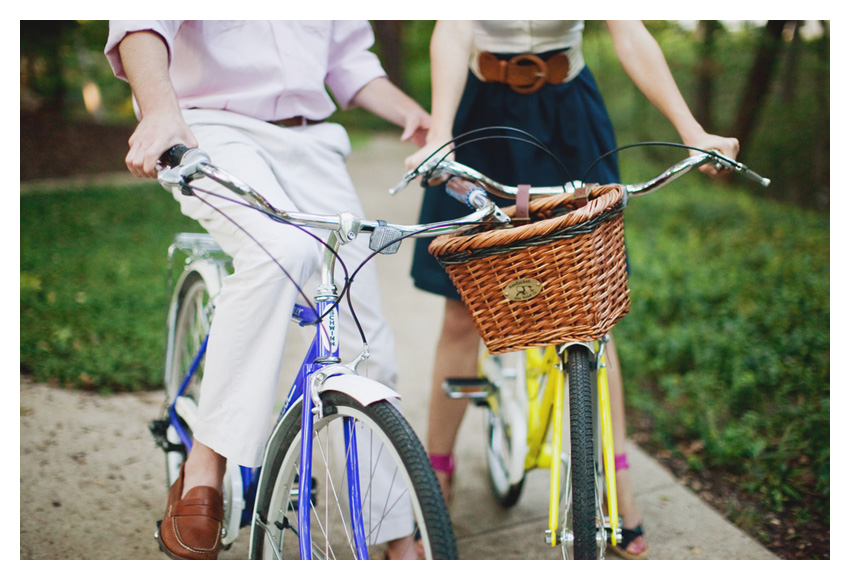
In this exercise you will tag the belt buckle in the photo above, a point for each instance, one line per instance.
(541, 75)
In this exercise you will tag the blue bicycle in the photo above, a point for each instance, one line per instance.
(315, 496)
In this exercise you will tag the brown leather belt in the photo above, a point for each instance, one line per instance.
(298, 121)
(525, 73)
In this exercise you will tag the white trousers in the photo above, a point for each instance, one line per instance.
(296, 169)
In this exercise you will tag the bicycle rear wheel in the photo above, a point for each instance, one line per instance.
(194, 311)
(400, 501)
(506, 425)
(582, 505)
(191, 326)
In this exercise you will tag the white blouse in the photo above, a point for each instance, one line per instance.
(526, 36)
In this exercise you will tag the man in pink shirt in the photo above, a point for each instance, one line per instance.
(253, 95)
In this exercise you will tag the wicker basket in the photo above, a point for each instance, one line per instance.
(559, 278)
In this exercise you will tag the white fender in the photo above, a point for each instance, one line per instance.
(364, 391)
(212, 271)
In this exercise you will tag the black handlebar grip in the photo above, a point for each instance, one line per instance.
(173, 156)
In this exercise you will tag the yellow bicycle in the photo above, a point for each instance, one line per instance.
(524, 394)
(542, 361)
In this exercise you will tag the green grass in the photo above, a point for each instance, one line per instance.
(93, 285)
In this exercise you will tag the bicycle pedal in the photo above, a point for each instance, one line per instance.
(159, 430)
(477, 389)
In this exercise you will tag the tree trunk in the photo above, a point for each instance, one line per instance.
(759, 81)
(821, 88)
(706, 73)
(792, 61)
(388, 40)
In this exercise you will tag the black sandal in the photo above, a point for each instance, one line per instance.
(630, 535)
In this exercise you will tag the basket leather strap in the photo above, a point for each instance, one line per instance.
(522, 198)
(582, 193)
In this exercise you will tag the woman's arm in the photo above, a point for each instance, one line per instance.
(451, 46)
(645, 64)
(144, 57)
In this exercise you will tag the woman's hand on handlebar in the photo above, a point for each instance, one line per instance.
(155, 134)
(727, 146)
(433, 144)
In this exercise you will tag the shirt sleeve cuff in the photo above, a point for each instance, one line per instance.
(119, 29)
(346, 84)
(352, 65)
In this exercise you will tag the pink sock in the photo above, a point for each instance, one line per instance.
(621, 462)
(444, 463)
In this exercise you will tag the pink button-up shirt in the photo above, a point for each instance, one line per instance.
(269, 70)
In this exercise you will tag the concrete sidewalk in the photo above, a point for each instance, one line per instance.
(678, 524)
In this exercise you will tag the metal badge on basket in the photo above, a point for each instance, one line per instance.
(523, 289)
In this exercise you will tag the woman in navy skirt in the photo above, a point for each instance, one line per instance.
(530, 75)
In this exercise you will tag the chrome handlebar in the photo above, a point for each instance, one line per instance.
(188, 165)
(181, 166)
(436, 171)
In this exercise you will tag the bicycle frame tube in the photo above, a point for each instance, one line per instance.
(607, 441)
(540, 404)
(324, 346)
(555, 465)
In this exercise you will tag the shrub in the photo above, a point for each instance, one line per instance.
(727, 343)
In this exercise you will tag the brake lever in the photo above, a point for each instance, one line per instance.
(425, 169)
(405, 181)
(722, 162)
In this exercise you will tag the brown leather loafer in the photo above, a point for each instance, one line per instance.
(191, 529)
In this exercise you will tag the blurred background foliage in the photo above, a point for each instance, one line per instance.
(766, 83)
(726, 351)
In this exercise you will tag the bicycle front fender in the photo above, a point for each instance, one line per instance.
(364, 391)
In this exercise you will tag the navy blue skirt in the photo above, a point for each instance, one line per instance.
(570, 119)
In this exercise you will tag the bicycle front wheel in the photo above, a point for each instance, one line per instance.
(400, 496)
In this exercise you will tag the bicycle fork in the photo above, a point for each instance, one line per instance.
(327, 345)
(607, 442)
(606, 531)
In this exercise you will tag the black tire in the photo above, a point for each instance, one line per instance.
(274, 533)
(583, 474)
